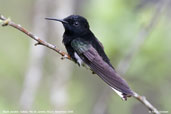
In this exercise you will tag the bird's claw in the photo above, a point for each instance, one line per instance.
(36, 44)
(64, 57)
(93, 72)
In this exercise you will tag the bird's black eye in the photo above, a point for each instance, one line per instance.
(76, 23)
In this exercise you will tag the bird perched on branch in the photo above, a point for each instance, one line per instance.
(84, 48)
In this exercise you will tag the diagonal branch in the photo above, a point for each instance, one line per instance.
(6, 21)
(144, 101)
(125, 63)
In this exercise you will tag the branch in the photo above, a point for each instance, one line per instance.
(124, 64)
(7, 21)
(144, 101)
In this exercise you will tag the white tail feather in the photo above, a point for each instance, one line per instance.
(119, 93)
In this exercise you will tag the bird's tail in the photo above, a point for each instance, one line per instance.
(123, 95)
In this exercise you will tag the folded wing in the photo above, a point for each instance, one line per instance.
(91, 57)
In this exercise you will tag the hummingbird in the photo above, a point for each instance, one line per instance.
(85, 49)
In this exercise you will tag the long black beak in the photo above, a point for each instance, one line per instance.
(60, 20)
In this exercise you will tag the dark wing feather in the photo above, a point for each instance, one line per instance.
(91, 57)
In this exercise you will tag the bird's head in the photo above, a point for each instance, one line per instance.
(74, 24)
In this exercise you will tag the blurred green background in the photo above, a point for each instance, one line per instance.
(136, 36)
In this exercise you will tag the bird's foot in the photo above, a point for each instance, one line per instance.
(64, 57)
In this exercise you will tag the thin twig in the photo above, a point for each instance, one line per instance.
(7, 21)
(144, 101)
(134, 49)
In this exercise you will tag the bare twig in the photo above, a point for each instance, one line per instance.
(36, 59)
(124, 64)
(6, 22)
(144, 101)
